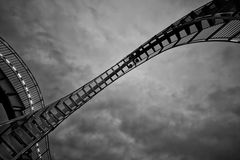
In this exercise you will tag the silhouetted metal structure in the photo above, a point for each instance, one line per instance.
(218, 20)
(19, 96)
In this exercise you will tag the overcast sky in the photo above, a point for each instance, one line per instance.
(182, 105)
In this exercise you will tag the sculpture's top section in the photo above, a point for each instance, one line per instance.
(217, 20)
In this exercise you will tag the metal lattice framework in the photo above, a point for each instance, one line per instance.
(20, 96)
(216, 21)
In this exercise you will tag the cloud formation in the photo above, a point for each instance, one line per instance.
(182, 105)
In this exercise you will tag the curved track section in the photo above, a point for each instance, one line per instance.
(20, 96)
(217, 21)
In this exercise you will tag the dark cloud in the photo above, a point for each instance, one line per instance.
(94, 134)
(226, 101)
(208, 133)
(229, 62)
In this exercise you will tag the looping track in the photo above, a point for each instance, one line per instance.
(216, 21)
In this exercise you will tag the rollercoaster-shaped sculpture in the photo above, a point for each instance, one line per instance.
(218, 20)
